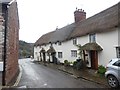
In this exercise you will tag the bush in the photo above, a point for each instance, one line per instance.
(101, 69)
(74, 64)
(79, 64)
(66, 63)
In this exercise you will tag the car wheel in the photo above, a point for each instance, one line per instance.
(112, 81)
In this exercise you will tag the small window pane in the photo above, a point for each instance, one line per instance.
(59, 54)
(92, 38)
(74, 41)
(73, 53)
(59, 43)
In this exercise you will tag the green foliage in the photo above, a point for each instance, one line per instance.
(66, 63)
(80, 53)
(25, 49)
(74, 63)
(101, 69)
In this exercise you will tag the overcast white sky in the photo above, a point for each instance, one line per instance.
(38, 17)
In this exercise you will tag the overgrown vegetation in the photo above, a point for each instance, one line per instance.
(25, 49)
(66, 63)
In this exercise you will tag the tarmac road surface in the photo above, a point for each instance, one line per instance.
(35, 75)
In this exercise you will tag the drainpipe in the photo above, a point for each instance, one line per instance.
(5, 48)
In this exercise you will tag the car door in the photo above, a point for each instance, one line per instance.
(116, 69)
(119, 70)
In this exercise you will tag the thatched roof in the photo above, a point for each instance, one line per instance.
(51, 50)
(104, 21)
(92, 46)
(62, 33)
(55, 36)
(45, 39)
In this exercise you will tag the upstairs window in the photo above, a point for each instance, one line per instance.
(59, 43)
(73, 53)
(92, 38)
(118, 52)
(74, 41)
(59, 54)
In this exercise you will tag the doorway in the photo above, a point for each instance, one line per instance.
(94, 59)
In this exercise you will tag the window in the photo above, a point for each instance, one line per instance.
(59, 43)
(74, 41)
(92, 38)
(117, 63)
(73, 53)
(118, 52)
(59, 54)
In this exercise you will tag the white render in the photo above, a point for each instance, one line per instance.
(107, 40)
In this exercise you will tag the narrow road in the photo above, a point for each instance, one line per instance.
(39, 76)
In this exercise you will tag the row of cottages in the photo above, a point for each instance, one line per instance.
(98, 35)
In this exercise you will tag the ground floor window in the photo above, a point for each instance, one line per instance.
(59, 54)
(118, 52)
(73, 53)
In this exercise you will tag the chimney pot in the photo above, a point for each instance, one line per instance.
(79, 15)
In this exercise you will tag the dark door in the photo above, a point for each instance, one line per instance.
(44, 58)
(54, 57)
(94, 59)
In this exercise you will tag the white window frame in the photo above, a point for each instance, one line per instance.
(59, 43)
(92, 38)
(73, 53)
(60, 55)
(75, 41)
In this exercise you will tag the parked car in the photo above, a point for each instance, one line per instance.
(113, 73)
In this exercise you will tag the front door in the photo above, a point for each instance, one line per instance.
(94, 59)
(44, 58)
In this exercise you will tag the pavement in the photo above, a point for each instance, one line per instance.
(87, 74)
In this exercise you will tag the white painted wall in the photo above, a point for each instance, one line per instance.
(36, 53)
(107, 41)
(66, 48)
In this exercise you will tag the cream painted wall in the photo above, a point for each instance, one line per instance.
(66, 48)
(36, 53)
(107, 41)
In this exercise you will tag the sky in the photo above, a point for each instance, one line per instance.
(38, 17)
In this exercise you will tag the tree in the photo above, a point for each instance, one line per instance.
(24, 53)
(82, 55)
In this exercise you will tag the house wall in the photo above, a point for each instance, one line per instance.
(66, 48)
(12, 44)
(36, 53)
(37, 50)
(118, 36)
(108, 41)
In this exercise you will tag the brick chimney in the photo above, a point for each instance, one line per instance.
(79, 15)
